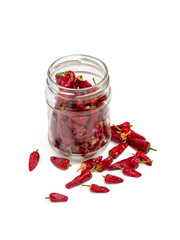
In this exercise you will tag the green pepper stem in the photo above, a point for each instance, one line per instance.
(131, 126)
(117, 128)
(153, 149)
(103, 176)
(145, 161)
(111, 154)
(118, 166)
(91, 170)
(37, 150)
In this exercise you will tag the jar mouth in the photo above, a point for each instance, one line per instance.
(82, 57)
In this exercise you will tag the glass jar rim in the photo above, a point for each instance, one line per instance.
(82, 55)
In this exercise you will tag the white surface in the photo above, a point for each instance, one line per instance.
(139, 42)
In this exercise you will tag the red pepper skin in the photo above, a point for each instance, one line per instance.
(112, 179)
(89, 164)
(117, 150)
(97, 189)
(33, 160)
(131, 172)
(121, 163)
(133, 134)
(104, 164)
(83, 177)
(140, 145)
(143, 157)
(62, 163)
(119, 137)
(134, 162)
(56, 197)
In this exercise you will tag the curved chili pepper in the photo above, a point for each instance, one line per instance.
(56, 197)
(135, 161)
(112, 179)
(130, 171)
(97, 189)
(117, 150)
(33, 160)
(62, 163)
(143, 157)
(89, 164)
(103, 165)
(140, 145)
(83, 177)
(122, 125)
(121, 163)
(133, 134)
(118, 137)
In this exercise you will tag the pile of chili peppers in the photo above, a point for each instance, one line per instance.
(79, 126)
(121, 134)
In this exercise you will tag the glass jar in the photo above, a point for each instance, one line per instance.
(78, 119)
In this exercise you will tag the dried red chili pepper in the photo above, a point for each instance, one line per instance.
(143, 157)
(122, 125)
(135, 161)
(83, 177)
(118, 137)
(112, 179)
(140, 145)
(62, 163)
(117, 150)
(33, 160)
(133, 134)
(103, 165)
(130, 171)
(89, 164)
(97, 189)
(56, 197)
(121, 163)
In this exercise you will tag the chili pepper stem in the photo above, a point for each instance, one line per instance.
(86, 185)
(145, 161)
(117, 128)
(79, 169)
(153, 149)
(103, 176)
(94, 81)
(91, 170)
(37, 150)
(111, 155)
(118, 166)
(47, 197)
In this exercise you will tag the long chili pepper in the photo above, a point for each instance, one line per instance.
(103, 165)
(89, 164)
(83, 177)
(112, 179)
(121, 163)
(118, 136)
(117, 150)
(97, 189)
(140, 145)
(143, 157)
(122, 125)
(62, 163)
(33, 160)
(56, 197)
(130, 171)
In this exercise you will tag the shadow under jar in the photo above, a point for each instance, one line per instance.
(78, 118)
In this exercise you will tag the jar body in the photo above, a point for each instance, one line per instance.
(79, 119)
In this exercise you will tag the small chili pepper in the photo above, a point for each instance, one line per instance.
(145, 158)
(118, 136)
(130, 171)
(33, 160)
(97, 189)
(117, 150)
(89, 164)
(135, 161)
(122, 125)
(62, 163)
(103, 165)
(56, 197)
(121, 163)
(140, 145)
(132, 134)
(84, 84)
(83, 177)
(112, 179)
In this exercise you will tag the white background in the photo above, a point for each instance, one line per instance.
(140, 43)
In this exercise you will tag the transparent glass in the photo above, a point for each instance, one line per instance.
(79, 119)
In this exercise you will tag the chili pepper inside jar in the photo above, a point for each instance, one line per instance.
(78, 95)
